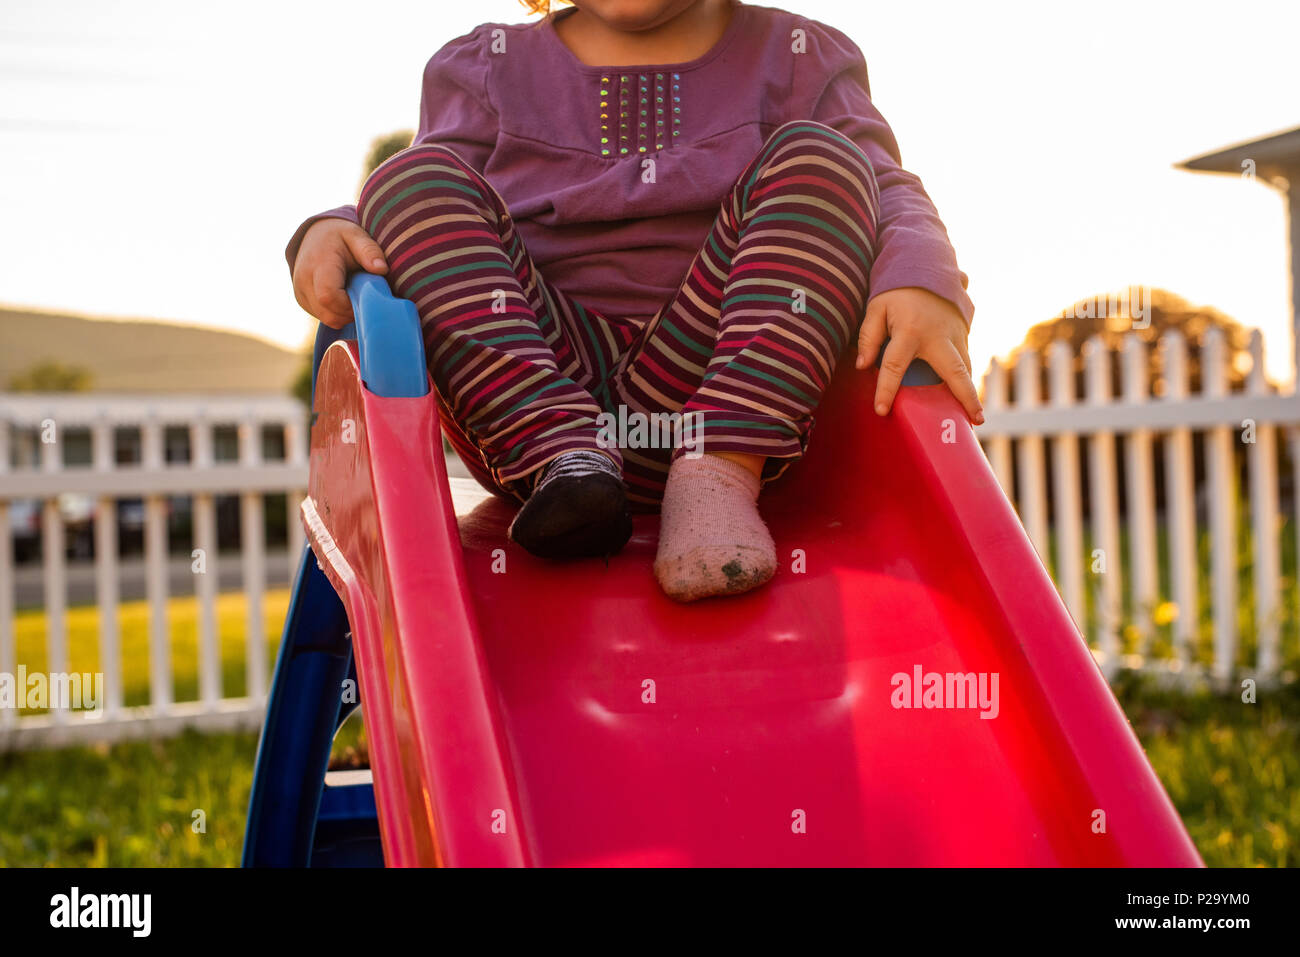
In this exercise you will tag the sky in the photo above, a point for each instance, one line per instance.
(156, 156)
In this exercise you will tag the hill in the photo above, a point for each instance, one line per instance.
(139, 355)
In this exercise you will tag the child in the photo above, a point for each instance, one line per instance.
(643, 207)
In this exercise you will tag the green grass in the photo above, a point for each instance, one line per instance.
(1232, 769)
(133, 804)
(128, 805)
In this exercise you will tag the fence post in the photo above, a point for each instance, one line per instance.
(155, 559)
(1030, 465)
(56, 584)
(1140, 489)
(8, 650)
(103, 460)
(1261, 457)
(1295, 497)
(1105, 511)
(253, 543)
(1067, 505)
(999, 446)
(1180, 506)
(207, 580)
(1222, 497)
(295, 454)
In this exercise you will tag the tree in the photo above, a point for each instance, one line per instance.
(1111, 317)
(1159, 312)
(51, 375)
(383, 147)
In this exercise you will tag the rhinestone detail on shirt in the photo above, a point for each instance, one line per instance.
(639, 112)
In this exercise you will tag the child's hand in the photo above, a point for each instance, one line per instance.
(330, 249)
(918, 323)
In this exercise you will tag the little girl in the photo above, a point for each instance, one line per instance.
(635, 208)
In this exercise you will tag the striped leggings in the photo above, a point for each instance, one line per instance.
(743, 351)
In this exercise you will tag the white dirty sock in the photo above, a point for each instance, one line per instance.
(712, 541)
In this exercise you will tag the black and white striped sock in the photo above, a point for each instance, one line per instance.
(578, 508)
(574, 464)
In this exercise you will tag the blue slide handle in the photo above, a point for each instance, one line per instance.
(389, 339)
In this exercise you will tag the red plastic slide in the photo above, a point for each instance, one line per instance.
(909, 690)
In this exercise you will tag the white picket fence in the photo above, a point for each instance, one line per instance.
(47, 421)
(1056, 424)
(1091, 565)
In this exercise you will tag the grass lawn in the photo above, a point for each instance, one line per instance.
(128, 805)
(1232, 769)
(133, 804)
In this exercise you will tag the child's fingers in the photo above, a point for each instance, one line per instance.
(872, 334)
(333, 318)
(960, 343)
(898, 355)
(953, 368)
(365, 251)
(333, 307)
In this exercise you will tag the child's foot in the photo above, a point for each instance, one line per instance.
(712, 541)
(578, 509)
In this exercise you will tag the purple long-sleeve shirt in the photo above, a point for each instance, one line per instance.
(520, 107)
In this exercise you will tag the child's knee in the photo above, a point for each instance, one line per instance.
(817, 143)
(420, 173)
(421, 156)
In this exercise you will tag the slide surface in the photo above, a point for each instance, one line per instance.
(909, 690)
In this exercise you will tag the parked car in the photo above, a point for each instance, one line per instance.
(78, 513)
(25, 523)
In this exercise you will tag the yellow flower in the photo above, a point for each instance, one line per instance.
(1166, 612)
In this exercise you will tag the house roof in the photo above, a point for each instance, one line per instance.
(1276, 157)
